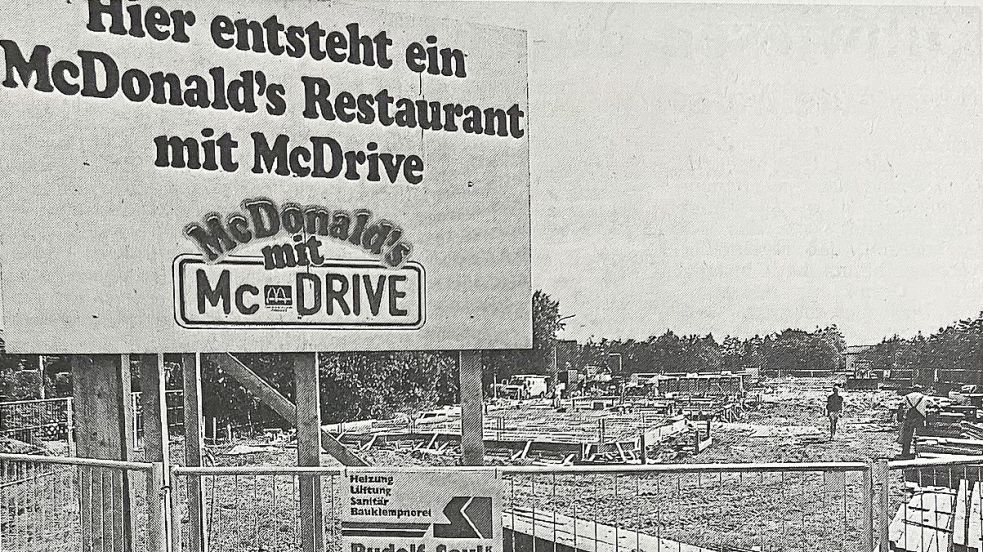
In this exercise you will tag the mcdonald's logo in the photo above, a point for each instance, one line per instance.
(278, 296)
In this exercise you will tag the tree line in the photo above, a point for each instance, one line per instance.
(951, 355)
(381, 384)
(787, 352)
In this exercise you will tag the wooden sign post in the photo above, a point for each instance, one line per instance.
(307, 391)
(472, 409)
(103, 421)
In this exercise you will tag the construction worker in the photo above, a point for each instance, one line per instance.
(834, 407)
(912, 413)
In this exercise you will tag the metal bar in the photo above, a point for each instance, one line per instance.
(885, 514)
(868, 497)
(34, 401)
(930, 462)
(175, 524)
(193, 444)
(73, 461)
(528, 470)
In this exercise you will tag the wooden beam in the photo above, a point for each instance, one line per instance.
(153, 404)
(307, 385)
(193, 444)
(472, 409)
(101, 398)
(256, 385)
(272, 398)
(156, 447)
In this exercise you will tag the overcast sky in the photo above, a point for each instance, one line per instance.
(740, 170)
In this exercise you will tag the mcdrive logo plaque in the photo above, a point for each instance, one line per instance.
(239, 292)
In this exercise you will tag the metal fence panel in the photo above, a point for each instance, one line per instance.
(74, 504)
(694, 508)
(933, 504)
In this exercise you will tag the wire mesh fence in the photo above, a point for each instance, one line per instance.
(695, 508)
(690, 508)
(74, 504)
(66, 504)
(32, 421)
(252, 508)
(175, 415)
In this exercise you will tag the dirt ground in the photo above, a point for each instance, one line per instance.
(791, 426)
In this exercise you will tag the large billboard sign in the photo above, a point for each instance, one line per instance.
(184, 175)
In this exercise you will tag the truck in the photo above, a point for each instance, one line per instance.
(521, 387)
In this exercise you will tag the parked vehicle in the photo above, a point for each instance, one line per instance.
(966, 394)
(444, 414)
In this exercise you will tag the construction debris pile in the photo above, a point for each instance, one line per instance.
(654, 419)
(955, 427)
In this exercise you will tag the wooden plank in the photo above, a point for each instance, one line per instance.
(472, 409)
(959, 527)
(272, 398)
(308, 393)
(974, 539)
(153, 404)
(925, 523)
(941, 503)
(193, 444)
(101, 397)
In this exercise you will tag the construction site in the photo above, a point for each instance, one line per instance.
(724, 426)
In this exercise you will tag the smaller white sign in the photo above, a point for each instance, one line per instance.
(421, 511)
(243, 292)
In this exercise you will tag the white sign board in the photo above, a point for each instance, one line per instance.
(260, 176)
(421, 511)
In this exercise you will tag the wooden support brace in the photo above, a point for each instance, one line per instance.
(272, 398)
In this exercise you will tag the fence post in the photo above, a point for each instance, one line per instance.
(70, 413)
(156, 510)
(869, 498)
(174, 528)
(885, 498)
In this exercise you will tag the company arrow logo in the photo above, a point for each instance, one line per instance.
(470, 517)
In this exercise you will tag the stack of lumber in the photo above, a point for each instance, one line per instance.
(971, 430)
(942, 445)
(936, 518)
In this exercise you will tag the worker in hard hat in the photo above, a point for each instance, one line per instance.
(912, 413)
